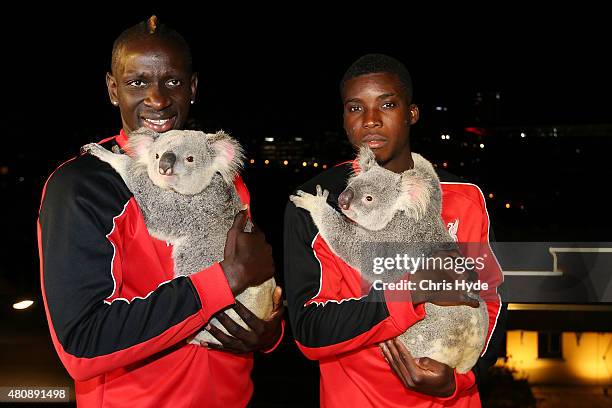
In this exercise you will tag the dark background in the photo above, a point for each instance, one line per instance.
(502, 71)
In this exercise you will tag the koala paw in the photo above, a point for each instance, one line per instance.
(302, 199)
(92, 148)
(308, 201)
(322, 193)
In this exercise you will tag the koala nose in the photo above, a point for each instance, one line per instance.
(166, 162)
(345, 198)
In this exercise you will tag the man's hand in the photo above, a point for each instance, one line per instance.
(247, 256)
(263, 335)
(422, 375)
(452, 297)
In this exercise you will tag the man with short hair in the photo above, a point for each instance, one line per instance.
(119, 319)
(352, 332)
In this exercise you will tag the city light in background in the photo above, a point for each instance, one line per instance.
(510, 115)
(24, 304)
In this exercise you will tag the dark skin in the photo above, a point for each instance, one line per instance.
(152, 80)
(378, 112)
(423, 374)
(242, 340)
(239, 261)
(153, 85)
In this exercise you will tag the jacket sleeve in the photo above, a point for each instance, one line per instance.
(245, 198)
(498, 316)
(476, 229)
(81, 207)
(325, 326)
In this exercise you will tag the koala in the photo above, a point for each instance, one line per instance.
(380, 206)
(183, 184)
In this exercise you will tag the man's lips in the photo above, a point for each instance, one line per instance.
(374, 141)
(159, 125)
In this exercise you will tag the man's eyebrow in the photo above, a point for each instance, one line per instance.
(134, 73)
(352, 100)
(166, 74)
(382, 96)
(386, 95)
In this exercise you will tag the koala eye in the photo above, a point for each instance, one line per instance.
(156, 156)
(368, 198)
(189, 159)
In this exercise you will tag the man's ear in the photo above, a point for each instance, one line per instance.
(414, 114)
(111, 87)
(194, 86)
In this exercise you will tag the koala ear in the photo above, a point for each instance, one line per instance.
(228, 155)
(415, 194)
(366, 158)
(139, 144)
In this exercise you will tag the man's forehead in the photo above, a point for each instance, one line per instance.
(151, 54)
(380, 84)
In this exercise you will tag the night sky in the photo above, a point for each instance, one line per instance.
(277, 76)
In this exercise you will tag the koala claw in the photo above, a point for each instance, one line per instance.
(91, 148)
(308, 201)
(322, 193)
(301, 199)
(86, 148)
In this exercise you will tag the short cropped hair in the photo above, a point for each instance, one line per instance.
(379, 63)
(147, 29)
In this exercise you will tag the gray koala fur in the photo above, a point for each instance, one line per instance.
(192, 207)
(402, 209)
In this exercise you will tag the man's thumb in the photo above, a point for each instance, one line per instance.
(240, 220)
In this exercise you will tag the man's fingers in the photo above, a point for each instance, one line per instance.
(277, 303)
(248, 317)
(237, 226)
(455, 253)
(462, 301)
(469, 301)
(472, 276)
(254, 228)
(427, 363)
(401, 366)
(277, 297)
(473, 303)
(388, 356)
(404, 355)
(406, 379)
(384, 351)
(231, 326)
(277, 314)
(212, 346)
(240, 221)
(227, 342)
(278, 310)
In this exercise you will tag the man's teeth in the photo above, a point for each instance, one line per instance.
(158, 122)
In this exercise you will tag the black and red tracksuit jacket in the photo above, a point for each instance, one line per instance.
(118, 317)
(339, 325)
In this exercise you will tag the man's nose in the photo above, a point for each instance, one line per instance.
(345, 198)
(156, 98)
(166, 163)
(372, 118)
